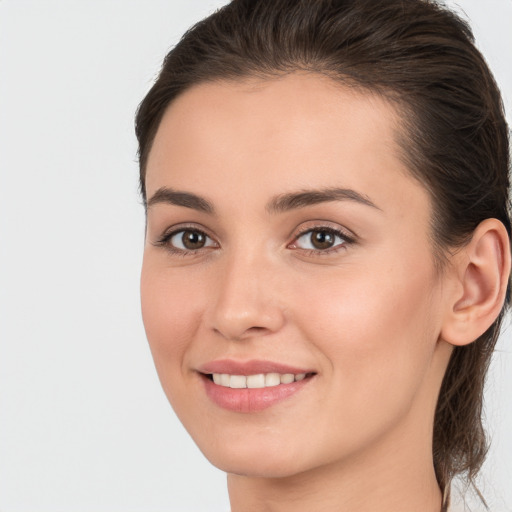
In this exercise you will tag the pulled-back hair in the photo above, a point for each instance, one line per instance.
(419, 56)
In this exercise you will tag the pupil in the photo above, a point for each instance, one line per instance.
(193, 240)
(322, 239)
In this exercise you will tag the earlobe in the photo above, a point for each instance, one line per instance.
(482, 269)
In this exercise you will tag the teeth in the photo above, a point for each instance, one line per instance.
(238, 381)
(260, 380)
(256, 381)
(287, 378)
(272, 379)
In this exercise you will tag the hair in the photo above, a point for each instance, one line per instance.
(420, 56)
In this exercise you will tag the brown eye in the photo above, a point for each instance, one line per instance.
(193, 240)
(320, 239)
(189, 240)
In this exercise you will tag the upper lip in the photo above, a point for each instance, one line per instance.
(252, 367)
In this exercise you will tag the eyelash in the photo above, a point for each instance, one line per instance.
(164, 241)
(346, 240)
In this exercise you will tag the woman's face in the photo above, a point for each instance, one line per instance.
(285, 237)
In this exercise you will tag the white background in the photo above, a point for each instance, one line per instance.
(84, 425)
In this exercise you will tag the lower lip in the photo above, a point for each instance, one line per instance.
(251, 399)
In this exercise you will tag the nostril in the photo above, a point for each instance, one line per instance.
(246, 334)
(257, 329)
(241, 320)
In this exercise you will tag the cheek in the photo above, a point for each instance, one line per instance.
(378, 331)
(171, 311)
(362, 305)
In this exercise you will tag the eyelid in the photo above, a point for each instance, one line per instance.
(164, 239)
(174, 245)
(348, 236)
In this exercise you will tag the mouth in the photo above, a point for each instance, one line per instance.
(247, 387)
(256, 381)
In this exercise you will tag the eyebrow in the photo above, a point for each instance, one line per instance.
(186, 199)
(301, 199)
(279, 204)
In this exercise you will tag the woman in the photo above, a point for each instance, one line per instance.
(327, 251)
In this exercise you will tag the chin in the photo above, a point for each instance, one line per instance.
(261, 460)
(259, 467)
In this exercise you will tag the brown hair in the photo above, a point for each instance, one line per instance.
(421, 57)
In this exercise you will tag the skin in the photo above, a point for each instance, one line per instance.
(367, 316)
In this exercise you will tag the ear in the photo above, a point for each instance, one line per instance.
(482, 270)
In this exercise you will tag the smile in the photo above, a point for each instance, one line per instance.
(258, 381)
(252, 386)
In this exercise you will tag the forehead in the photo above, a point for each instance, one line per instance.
(296, 131)
(301, 110)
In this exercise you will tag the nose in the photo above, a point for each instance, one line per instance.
(247, 302)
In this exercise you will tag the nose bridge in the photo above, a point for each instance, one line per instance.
(246, 304)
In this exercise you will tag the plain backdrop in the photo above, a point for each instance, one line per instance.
(84, 425)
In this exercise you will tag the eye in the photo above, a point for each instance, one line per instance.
(320, 239)
(187, 240)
